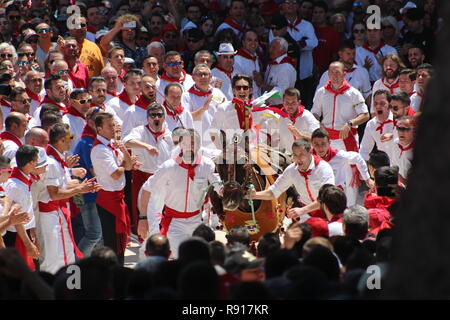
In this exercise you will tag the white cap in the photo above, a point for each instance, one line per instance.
(100, 33)
(408, 5)
(226, 49)
(128, 60)
(42, 157)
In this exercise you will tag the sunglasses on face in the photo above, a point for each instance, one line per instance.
(25, 54)
(174, 64)
(32, 41)
(14, 17)
(395, 108)
(387, 27)
(63, 72)
(24, 101)
(238, 88)
(102, 12)
(4, 55)
(22, 63)
(403, 129)
(44, 30)
(83, 101)
(358, 4)
(154, 115)
(359, 30)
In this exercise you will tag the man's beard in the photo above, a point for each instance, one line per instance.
(394, 75)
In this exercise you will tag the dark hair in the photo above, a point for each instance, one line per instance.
(95, 79)
(268, 243)
(410, 72)
(4, 162)
(324, 260)
(356, 221)
(292, 92)
(12, 118)
(131, 73)
(402, 97)
(155, 106)
(193, 249)
(48, 107)
(238, 77)
(346, 44)
(378, 159)
(386, 175)
(25, 154)
(238, 235)
(48, 83)
(385, 92)
(426, 66)
(333, 197)
(148, 57)
(99, 118)
(58, 131)
(11, 8)
(171, 85)
(321, 4)
(172, 54)
(320, 133)
(217, 252)
(50, 118)
(199, 281)
(115, 48)
(76, 92)
(344, 247)
(302, 142)
(106, 254)
(205, 232)
(157, 245)
(15, 91)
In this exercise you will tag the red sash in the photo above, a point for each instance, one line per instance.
(32, 95)
(391, 87)
(286, 59)
(239, 106)
(233, 24)
(178, 110)
(228, 73)
(307, 173)
(16, 173)
(293, 26)
(71, 110)
(113, 93)
(345, 86)
(20, 247)
(381, 125)
(51, 151)
(61, 106)
(169, 214)
(97, 142)
(409, 147)
(331, 153)
(374, 51)
(286, 115)
(114, 203)
(125, 98)
(194, 90)
(88, 132)
(245, 54)
(155, 134)
(142, 103)
(5, 135)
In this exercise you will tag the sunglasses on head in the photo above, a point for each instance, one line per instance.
(403, 129)
(4, 55)
(241, 88)
(174, 64)
(25, 54)
(44, 30)
(154, 115)
(24, 101)
(83, 101)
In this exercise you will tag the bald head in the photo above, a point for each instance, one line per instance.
(110, 75)
(16, 123)
(37, 137)
(157, 245)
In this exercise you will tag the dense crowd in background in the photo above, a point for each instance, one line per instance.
(317, 81)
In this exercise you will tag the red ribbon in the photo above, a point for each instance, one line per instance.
(71, 110)
(409, 147)
(178, 110)
(189, 167)
(16, 173)
(286, 59)
(5, 135)
(391, 87)
(228, 73)
(51, 151)
(245, 54)
(88, 132)
(166, 77)
(381, 125)
(155, 134)
(240, 106)
(199, 93)
(234, 25)
(374, 51)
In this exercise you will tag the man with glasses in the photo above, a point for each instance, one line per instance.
(224, 70)
(195, 42)
(20, 101)
(78, 72)
(8, 52)
(60, 68)
(173, 72)
(153, 145)
(383, 123)
(79, 104)
(34, 83)
(400, 107)
(45, 43)
(15, 126)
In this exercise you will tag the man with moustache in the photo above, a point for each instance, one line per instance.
(424, 73)
(97, 89)
(416, 56)
(153, 144)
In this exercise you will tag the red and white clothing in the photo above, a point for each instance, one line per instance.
(36, 121)
(372, 135)
(181, 117)
(135, 115)
(187, 184)
(337, 108)
(304, 121)
(306, 183)
(416, 100)
(36, 100)
(229, 23)
(226, 77)
(247, 63)
(111, 94)
(58, 248)
(383, 84)
(321, 227)
(280, 75)
(357, 77)
(11, 144)
(375, 72)
(120, 105)
(77, 122)
(347, 166)
(6, 107)
(402, 156)
(193, 99)
(186, 82)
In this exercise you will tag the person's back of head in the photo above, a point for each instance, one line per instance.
(238, 234)
(268, 243)
(279, 261)
(218, 252)
(205, 232)
(344, 247)
(199, 281)
(141, 281)
(308, 283)
(314, 242)
(385, 177)
(361, 258)
(333, 198)
(249, 291)
(193, 249)
(107, 254)
(356, 222)
(157, 245)
(383, 250)
(323, 259)
(306, 235)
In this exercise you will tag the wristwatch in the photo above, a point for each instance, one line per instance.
(142, 217)
(350, 124)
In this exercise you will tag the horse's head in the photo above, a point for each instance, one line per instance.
(233, 194)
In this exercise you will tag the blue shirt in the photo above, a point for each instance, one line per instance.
(83, 149)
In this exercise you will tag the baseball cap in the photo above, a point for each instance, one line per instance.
(42, 158)
(242, 260)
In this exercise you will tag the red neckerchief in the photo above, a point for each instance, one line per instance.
(122, 76)
(16, 173)
(51, 151)
(5, 135)
(194, 90)
(337, 217)
(71, 110)
(286, 59)
(165, 77)
(178, 110)
(411, 93)
(32, 95)
(228, 73)
(189, 167)
(419, 94)
(292, 26)
(142, 103)
(113, 93)
(307, 173)
(381, 125)
(156, 134)
(351, 70)
(125, 98)
(97, 142)
(233, 24)
(62, 107)
(5, 103)
(293, 118)
(391, 87)
(245, 54)
(330, 154)
(240, 106)
(376, 50)
(91, 29)
(88, 132)
(409, 147)
(345, 86)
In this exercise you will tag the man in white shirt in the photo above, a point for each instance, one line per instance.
(34, 82)
(236, 18)
(111, 77)
(97, 88)
(382, 123)
(424, 73)
(15, 126)
(79, 104)
(186, 176)
(342, 109)
(224, 70)
(20, 101)
(280, 73)
(347, 165)
(153, 144)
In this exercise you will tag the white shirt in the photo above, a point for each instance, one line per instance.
(164, 144)
(336, 112)
(357, 77)
(226, 82)
(401, 159)
(10, 149)
(56, 176)
(372, 136)
(243, 65)
(375, 72)
(281, 77)
(133, 117)
(19, 192)
(161, 85)
(119, 107)
(105, 163)
(320, 175)
(416, 101)
(382, 84)
(173, 122)
(341, 163)
(186, 194)
(77, 125)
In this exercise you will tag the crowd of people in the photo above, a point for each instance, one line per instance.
(116, 116)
